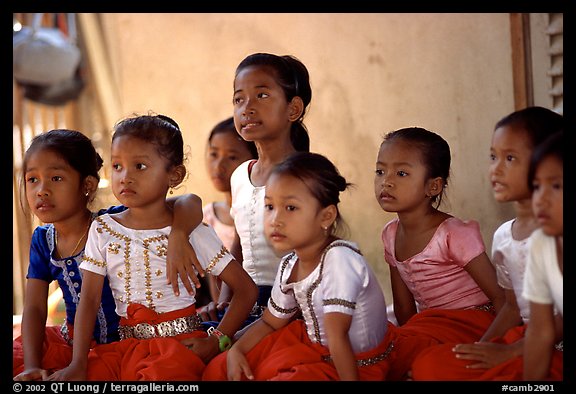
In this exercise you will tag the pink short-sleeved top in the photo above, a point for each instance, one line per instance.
(436, 276)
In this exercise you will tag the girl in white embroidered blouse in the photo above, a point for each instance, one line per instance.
(161, 335)
(326, 315)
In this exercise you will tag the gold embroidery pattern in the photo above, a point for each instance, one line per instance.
(339, 301)
(281, 310)
(95, 262)
(317, 282)
(159, 294)
(162, 250)
(114, 247)
(158, 272)
(365, 362)
(127, 268)
(147, 269)
(217, 258)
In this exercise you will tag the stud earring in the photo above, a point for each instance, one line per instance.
(325, 230)
(87, 193)
(171, 191)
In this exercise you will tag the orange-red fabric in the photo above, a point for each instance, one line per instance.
(147, 359)
(57, 354)
(432, 327)
(288, 354)
(439, 363)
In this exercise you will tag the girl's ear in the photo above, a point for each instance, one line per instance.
(328, 216)
(177, 175)
(296, 108)
(435, 186)
(90, 185)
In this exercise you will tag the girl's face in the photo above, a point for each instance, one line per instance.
(139, 174)
(226, 151)
(400, 182)
(260, 108)
(548, 196)
(509, 161)
(292, 215)
(53, 188)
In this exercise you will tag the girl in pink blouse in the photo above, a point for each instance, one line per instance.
(443, 283)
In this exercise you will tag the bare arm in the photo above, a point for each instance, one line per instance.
(482, 271)
(507, 317)
(181, 258)
(33, 325)
(539, 342)
(83, 327)
(236, 251)
(337, 327)
(244, 296)
(236, 358)
(404, 304)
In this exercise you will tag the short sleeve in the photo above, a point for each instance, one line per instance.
(39, 267)
(94, 259)
(464, 240)
(282, 304)
(535, 285)
(345, 276)
(211, 253)
(498, 257)
(388, 238)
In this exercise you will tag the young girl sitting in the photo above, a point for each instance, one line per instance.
(443, 283)
(60, 179)
(342, 335)
(161, 336)
(498, 354)
(543, 283)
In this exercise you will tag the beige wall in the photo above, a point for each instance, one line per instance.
(370, 74)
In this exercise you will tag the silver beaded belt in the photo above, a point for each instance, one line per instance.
(367, 361)
(65, 333)
(170, 328)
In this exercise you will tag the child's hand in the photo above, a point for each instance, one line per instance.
(68, 374)
(485, 354)
(180, 262)
(32, 374)
(237, 365)
(206, 348)
(211, 311)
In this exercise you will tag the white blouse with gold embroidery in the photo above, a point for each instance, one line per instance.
(343, 282)
(135, 262)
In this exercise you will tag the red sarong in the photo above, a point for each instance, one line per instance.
(57, 354)
(432, 327)
(288, 354)
(440, 363)
(154, 359)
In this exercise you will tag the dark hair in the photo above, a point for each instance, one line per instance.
(434, 149)
(552, 146)
(319, 174)
(292, 76)
(72, 146)
(159, 130)
(227, 126)
(537, 122)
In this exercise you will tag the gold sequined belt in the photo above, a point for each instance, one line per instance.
(170, 328)
(370, 360)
